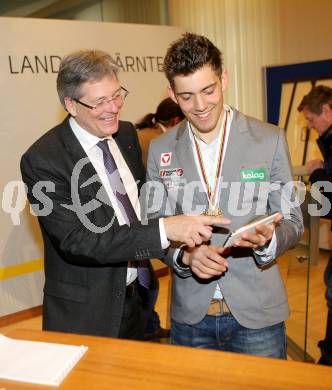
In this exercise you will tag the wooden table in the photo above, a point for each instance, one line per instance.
(122, 364)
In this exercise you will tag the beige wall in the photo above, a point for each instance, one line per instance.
(30, 107)
(251, 33)
(305, 30)
(247, 32)
(120, 11)
(256, 33)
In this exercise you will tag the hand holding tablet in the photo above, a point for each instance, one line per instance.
(249, 228)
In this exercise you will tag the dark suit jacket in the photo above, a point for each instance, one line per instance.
(85, 263)
(325, 175)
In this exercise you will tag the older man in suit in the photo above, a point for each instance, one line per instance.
(82, 180)
(221, 161)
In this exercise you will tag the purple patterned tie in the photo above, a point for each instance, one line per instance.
(124, 203)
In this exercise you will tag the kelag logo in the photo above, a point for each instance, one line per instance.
(258, 174)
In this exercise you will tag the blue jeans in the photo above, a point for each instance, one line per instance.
(226, 334)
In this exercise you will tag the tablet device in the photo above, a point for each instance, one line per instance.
(249, 228)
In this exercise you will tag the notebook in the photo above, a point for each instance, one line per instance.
(37, 362)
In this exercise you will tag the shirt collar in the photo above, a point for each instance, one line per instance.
(215, 141)
(162, 127)
(86, 139)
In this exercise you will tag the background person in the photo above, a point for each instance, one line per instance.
(87, 168)
(317, 110)
(168, 114)
(232, 300)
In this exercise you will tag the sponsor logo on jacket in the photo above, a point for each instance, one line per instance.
(176, 172)
(258, 174)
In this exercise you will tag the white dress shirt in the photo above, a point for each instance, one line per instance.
(89, 144)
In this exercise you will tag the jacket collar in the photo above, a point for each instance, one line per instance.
(235, 147)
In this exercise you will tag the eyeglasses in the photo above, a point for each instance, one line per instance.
(118, 97)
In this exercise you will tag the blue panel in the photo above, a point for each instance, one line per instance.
(275, 76)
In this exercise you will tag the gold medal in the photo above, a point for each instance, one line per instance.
(213, 212)
(212, 190)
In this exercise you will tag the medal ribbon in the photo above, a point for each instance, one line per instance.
(212, 193)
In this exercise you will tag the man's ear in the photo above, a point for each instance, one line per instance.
(224, 80)
(171, 94)
(70, 106)
(327, 111)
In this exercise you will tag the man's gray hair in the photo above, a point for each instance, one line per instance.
(82, 66)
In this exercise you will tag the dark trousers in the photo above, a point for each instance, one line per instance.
(133, 321)
(325, 345)
(328, 283)
(149, 299)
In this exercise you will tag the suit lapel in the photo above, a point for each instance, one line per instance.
(236, 147)
(185, 156)
(75, 149)
(88, 172)
(126, 148)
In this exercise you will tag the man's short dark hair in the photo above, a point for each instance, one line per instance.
(189, 54)
(315, 99)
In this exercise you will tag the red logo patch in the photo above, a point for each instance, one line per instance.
(165, 159)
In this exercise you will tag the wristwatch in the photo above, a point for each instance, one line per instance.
(180, 257)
